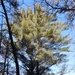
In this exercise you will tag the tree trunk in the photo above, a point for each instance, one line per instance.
(37, 64)
(11, 39)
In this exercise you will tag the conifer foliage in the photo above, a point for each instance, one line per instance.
(40, 34)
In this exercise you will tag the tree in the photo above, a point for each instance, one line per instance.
(14, 49)
(40, 35)
(63, 6)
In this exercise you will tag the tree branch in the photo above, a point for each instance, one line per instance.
(60, 8)
(11, 39)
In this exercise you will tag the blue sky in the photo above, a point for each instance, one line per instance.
(26, 3)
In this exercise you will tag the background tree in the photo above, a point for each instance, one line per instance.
(66, 6)
(33, 30)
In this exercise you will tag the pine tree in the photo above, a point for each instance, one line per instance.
(34, 30)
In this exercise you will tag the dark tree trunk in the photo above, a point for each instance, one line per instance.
(11, 39)
(31, 68)
(37, 70)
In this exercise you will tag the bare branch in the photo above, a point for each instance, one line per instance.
(60, 8)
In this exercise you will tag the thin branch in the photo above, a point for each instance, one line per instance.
(11, 39)
(60, 8)
(43, 70)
